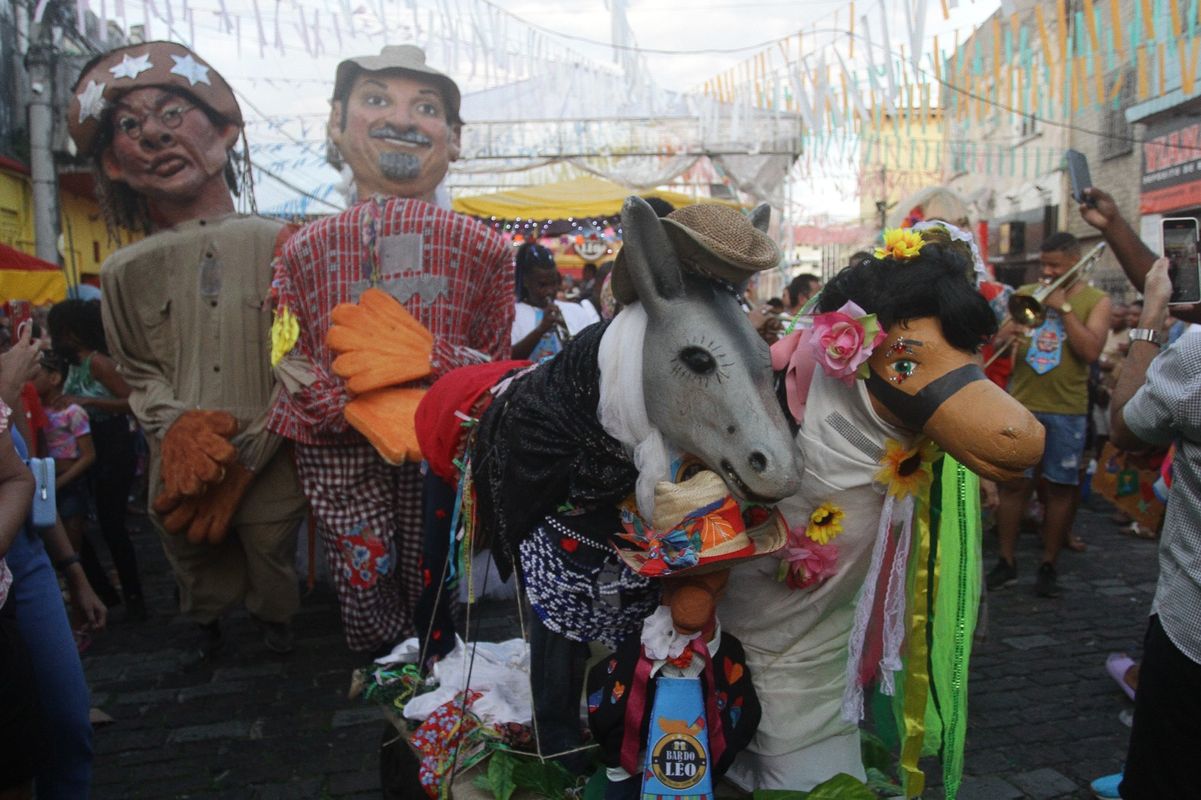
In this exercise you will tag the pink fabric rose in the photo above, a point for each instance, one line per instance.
(806, 562)
(843, 340)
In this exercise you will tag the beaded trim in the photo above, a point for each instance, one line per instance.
(563, 530)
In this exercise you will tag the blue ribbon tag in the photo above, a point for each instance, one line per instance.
(1046, 344)
(678, 763)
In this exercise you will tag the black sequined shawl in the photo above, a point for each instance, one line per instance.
(540, 445)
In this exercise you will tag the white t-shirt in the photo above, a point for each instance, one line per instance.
(576, 316)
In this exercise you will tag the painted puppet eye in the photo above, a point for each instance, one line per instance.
(698, 360)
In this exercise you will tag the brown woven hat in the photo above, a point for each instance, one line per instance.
(712, 240)
(167, 65)
(723, 533)
(406, 58)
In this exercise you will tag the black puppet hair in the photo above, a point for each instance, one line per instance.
(940, 282)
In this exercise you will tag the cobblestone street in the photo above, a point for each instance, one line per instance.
(1044, 714)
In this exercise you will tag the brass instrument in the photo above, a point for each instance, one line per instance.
(1027, 309)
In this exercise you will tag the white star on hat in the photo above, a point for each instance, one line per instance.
(91, 101)
(187, 67)
(131, 67)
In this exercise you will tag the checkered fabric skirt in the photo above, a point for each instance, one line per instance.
(368, 514)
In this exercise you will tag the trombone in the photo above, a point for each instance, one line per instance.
(1029, 311)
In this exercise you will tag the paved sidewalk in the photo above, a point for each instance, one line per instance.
(1044, 714)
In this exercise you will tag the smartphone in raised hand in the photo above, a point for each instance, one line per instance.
(1078, 175)
(1180, 241)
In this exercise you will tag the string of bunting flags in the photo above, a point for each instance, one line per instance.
(853, 84)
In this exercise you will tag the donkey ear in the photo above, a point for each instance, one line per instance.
(761, 216)
(650, 259)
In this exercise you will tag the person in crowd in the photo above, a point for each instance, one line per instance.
(862, 255)
(93, 382)
(187, 314)
(69, 443)
(587, 283)
(1157, 401)
(543, 324)
(1050, 378)
(395, 124)
(1109, 367)
(62, 745)
(18, 709)
(799, 290)
(1134, 311)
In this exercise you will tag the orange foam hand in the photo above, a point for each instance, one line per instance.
(379, 343)
(387, 418)
(195, 452)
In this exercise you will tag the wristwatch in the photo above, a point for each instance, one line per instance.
(1145, 335)
(1066, 308)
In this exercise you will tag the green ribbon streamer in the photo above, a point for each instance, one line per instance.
(954, 614)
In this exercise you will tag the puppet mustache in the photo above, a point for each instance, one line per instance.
(409, 136)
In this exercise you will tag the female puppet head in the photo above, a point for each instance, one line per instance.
(926, 375)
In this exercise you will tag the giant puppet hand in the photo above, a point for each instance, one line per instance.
(195, 453)
(206, 517)
(380, 346)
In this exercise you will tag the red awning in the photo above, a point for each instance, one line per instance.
(11, 258)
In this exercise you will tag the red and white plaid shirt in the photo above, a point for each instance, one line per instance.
(452, 273)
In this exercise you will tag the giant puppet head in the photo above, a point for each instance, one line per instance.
(925, 376)
(395, 122)
(159, 124)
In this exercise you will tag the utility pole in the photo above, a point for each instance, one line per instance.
(39, 62)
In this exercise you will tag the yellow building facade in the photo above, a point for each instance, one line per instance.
(84, 243)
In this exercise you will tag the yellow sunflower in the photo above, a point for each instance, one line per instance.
(825, 523)
(900, 244)
(907, 471)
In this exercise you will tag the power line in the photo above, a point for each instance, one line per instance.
(294, 187)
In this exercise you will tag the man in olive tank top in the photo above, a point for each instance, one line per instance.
(1050, 378)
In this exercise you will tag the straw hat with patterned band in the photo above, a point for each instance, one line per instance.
(712, 240)
(166, 65)
(698, 527)
(406, 58)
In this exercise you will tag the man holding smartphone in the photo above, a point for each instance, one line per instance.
(1158, 401)
(1050, 378)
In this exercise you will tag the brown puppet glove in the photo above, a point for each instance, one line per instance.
(195, 452)
(206, 517)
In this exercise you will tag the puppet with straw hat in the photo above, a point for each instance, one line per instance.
(700, 709)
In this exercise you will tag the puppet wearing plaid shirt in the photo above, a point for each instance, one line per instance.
(455, 277)
(395, 123)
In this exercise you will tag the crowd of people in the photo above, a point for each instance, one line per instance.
(203, 381)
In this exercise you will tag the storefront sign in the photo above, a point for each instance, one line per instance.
(1171, 166)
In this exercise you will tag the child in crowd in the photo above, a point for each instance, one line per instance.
(543, 324)
(69, 443)
(93, 383)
